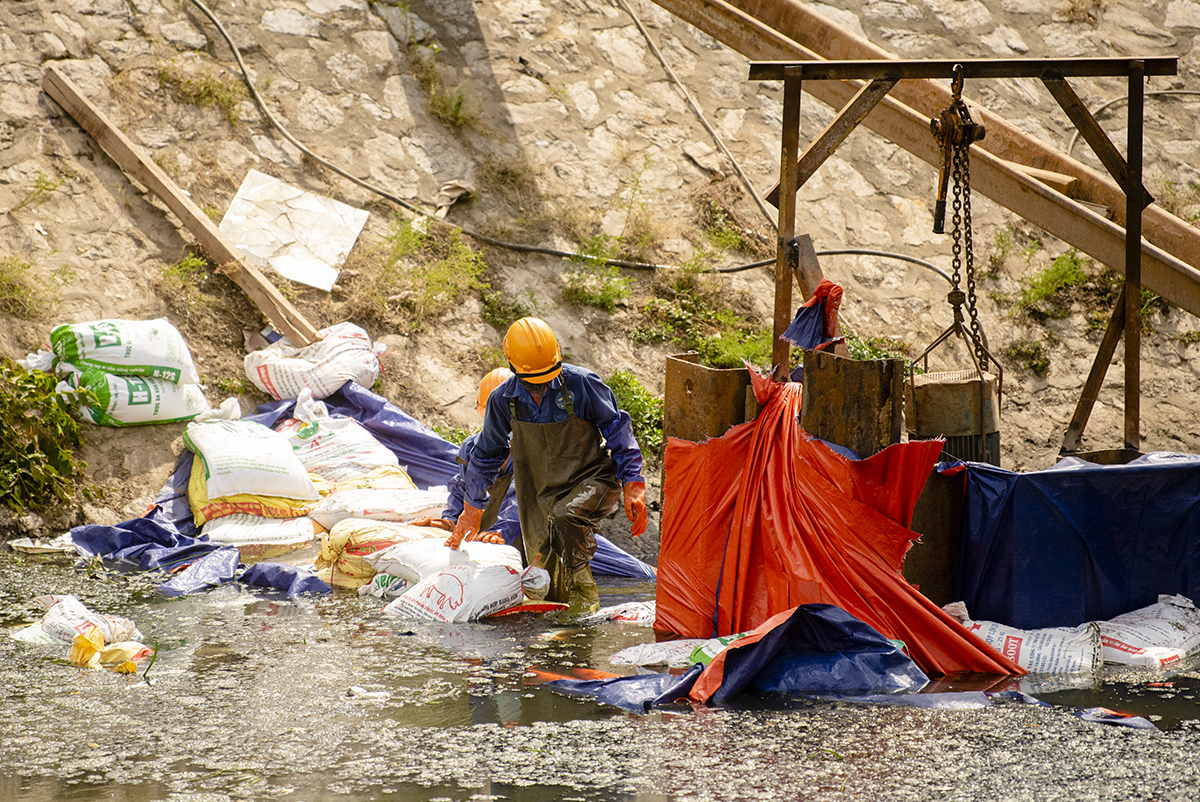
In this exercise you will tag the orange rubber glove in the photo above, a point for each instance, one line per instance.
(429, 520)
(635, 506)
(468, 525)
(487, 537)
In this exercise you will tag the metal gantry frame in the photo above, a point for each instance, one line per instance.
(796, 168)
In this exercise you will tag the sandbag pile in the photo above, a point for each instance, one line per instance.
(344, 353)
(138, 372)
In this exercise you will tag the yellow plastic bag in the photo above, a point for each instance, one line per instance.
(206, 509)
(88, 650)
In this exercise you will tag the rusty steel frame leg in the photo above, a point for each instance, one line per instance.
(1091, 387)
(788, 172)
(829, 140)
(1092, 133)
(1133, 259)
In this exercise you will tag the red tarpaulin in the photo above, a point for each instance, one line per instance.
(766, 518)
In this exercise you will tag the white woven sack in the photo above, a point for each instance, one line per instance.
(1053, 650)
(465, 592)
(241, 529)
(334, 448)
(1159, 636)
(378, 505)
(419, 559)
(344, 353)
(246, 457)
(151, 348)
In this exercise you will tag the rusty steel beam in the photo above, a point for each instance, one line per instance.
(829, 140)
(1091, 386)
(785, 253)
(896, 70)
(786, 30)
(1133, 262)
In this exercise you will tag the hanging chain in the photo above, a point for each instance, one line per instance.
(962, 200)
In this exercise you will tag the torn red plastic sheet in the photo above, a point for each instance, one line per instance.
(766, 518)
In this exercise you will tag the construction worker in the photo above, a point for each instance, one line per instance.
(574, 459)
(504, 525)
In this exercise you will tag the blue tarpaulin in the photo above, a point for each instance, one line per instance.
(813, 648)
(287, 578)
(1078, 542)
(637, 693)
(215, 568)
(152, 543)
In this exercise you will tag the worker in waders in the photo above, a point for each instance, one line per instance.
(495, 526)
(574, 460)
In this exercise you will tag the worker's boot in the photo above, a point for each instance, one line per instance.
(583, 597)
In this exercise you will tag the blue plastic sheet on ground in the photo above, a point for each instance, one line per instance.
(1102, 715)
(290, 579)
(152, 544)
(215, 568)
(615, 561)
(817, 648)
(1078, 542)
(638, 693)
(145, 542)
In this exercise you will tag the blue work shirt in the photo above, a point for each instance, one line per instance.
(593, 401)
(508, 523)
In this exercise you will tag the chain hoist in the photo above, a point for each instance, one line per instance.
(955, 130)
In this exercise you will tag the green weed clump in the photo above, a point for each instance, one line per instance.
(874, 347)
(445, 105)
(501, 310)
(645, 410)
(24, 295)
(1180, 200)
(454, 434)
(43, 187)
(1031, 355)
(186, 274)
(1044, 291)
(590, 282)
(428, 267)
(38, 467)
(204, 89)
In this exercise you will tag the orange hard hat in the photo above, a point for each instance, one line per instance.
(532, 350)
(490, 382)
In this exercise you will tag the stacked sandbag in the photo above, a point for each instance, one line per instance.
(245, 467)
(384, 494)
(421, 558)
(346, 550)
(344, 353)
(258, 537)
(138, 372)
(1161, 635)
(467, 592)
(334, 447)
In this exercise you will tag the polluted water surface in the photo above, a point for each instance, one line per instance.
(252, 696)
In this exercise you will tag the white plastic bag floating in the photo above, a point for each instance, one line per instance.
(378, 505)
(151, 348)
(136, 400)
(67, 617)
(672, 653)
(460, 593)
(640, 613)
(246, 457)
(418, 559)
(1158, 636)
(241, 529)
(344, 353)
(334, 448)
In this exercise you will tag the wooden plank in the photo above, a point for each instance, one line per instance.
(265, 295)
(827, 143)
(1066, 184)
